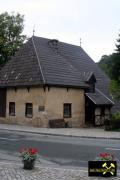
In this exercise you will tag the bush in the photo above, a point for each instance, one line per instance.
(107, 124)
(114, 123)
(116, 116)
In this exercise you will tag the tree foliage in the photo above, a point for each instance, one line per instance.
(105, 64)
(111, 66)
(115, 67)
(115, 89)
(118, 44)
(11, 38)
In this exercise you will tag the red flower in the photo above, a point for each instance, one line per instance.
(106, 156)
(30, 150)
(102, 155)
(34, 151)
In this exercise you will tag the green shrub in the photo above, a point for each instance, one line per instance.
(114, 123)
(116, 116)
(107, 125)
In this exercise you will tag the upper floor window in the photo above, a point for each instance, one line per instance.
(12, 108)
(67, 110)
(29, 110)
(91, 80)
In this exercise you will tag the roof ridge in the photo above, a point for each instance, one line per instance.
(62, 42)
(41, 71)
(105, 95)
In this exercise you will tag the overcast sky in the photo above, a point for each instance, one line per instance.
(96, 22)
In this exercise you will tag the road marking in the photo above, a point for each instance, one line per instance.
(2, 138)
(114, 149)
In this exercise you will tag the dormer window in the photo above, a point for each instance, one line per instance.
(91, 80)
(53, 43)
(92, 87)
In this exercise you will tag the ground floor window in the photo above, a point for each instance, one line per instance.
(67, 110)
(12, 108)
(29, 110)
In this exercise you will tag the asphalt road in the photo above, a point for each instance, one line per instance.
(59, 150)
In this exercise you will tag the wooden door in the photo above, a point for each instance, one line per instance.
(89, 112)
(2, 102)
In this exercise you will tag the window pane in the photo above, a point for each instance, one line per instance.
(12, 108)
(67, 110)
(29, 110)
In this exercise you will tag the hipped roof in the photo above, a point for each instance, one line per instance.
(43, 61)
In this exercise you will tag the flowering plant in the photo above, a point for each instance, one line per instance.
(105, 157)
(28, 154)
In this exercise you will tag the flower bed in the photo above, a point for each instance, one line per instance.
(29, 155)
(105, 157)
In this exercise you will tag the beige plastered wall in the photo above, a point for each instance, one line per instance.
(52, 99)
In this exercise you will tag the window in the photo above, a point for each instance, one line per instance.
(67, 110)
(12, 108)
(29, 110)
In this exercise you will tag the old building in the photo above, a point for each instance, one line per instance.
(47, 80)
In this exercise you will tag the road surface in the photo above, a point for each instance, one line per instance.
(57, 150)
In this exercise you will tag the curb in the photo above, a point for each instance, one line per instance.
(64, 135)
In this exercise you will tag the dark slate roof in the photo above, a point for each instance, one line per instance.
(22, 69)
(80, 60)
(98, 98)
(57, 70)
(43, 61)
(68, 63)
(116, 108)
(37, 64)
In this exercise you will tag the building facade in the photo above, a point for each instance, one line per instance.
(49, 80)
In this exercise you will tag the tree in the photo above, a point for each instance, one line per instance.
(115, 67)
(115, 89)
(111, 66)
(11, 38)
(118, 45)
(105, 64)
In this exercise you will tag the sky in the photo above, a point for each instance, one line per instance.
(96, 22)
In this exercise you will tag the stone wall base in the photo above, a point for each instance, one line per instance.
(37, 122)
